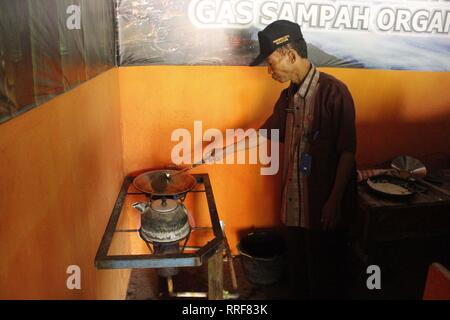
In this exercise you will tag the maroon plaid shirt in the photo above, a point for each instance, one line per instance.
(331, 131)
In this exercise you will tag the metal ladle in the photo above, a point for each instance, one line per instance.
(161, 181)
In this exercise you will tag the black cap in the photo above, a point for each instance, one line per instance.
(274, 36)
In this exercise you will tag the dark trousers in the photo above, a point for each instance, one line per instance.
(316, 263)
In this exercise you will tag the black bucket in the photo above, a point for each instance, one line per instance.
(263, 255)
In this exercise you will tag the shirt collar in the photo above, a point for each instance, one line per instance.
(305, 85)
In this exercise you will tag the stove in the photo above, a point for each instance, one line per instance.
(167, 257)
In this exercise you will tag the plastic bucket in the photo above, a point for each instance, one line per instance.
(262, 257)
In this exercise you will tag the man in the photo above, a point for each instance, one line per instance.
(316, 119)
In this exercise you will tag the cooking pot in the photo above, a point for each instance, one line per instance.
(163, 220)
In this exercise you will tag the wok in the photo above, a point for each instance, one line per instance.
(179, 185)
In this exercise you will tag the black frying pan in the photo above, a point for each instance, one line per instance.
(391, 186)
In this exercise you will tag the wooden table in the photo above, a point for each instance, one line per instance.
(382, 219)
(403, 235)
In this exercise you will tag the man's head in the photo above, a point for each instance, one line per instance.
(283, 48)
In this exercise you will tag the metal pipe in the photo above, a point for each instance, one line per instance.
(230, 257)
(202, 228)
(170, 285)
(189, 294)
(226, 295)
(191, 248)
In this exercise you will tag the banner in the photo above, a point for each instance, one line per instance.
(397, 34)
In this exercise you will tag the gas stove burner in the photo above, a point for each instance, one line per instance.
(149, 237)
(163, 249)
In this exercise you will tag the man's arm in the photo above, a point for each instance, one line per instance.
(343, 174)
(331, 210)
(276, 121)
(344, 120)
(248, 142)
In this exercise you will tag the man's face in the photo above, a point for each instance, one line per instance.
(279, 66)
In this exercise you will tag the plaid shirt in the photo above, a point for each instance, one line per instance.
(316, 118)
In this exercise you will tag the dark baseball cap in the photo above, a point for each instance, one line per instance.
(274, 36)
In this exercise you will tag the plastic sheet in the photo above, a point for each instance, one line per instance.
(50, 46)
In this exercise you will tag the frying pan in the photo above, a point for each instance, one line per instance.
(391, 186)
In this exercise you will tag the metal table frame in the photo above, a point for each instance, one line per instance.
(211, 252)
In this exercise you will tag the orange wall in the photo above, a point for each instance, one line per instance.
(60, 171)
(398, 112)
(62, 164)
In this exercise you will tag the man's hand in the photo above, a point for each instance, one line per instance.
(173, 166)
(330, 213)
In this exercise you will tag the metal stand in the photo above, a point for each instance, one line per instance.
(212, 252)
(215, 276)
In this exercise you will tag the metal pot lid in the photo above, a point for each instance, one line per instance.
(164, 205)
(179, 184)
(410, 165)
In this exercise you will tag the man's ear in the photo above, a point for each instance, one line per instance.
(292, 56)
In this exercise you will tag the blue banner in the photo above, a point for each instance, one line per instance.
(397, 34)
